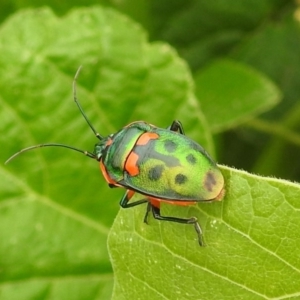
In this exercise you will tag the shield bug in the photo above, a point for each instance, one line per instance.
(160, 164)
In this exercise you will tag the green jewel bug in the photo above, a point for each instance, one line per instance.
(160, 164)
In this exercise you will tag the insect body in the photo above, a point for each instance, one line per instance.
(162, 165)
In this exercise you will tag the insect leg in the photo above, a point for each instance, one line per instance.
(147, 212)
(126, 198)
(176, 126)
(193, 220)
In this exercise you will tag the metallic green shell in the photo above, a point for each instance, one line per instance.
(170, 167)
(114, 157)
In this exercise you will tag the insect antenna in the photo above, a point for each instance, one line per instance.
(98, 135)
(86, 153)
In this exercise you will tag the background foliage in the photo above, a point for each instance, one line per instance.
(228, 70)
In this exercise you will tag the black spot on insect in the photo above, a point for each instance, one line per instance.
(210, 181)
(170, 146)
(180, 179)
(191, 159)
(155, 172)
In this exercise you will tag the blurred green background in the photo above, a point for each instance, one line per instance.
(233, 80)
(261, 34)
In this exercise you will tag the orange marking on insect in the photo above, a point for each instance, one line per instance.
(105, 175)
(156, 202)
(221, 195)
(181, 203)
(109, 142)
(146, 137)
(131, 164)
(130, 194)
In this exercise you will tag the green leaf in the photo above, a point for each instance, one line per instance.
(55, 208)
(283, 66)
(203, 30)
(231, 93)
(252, 241)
